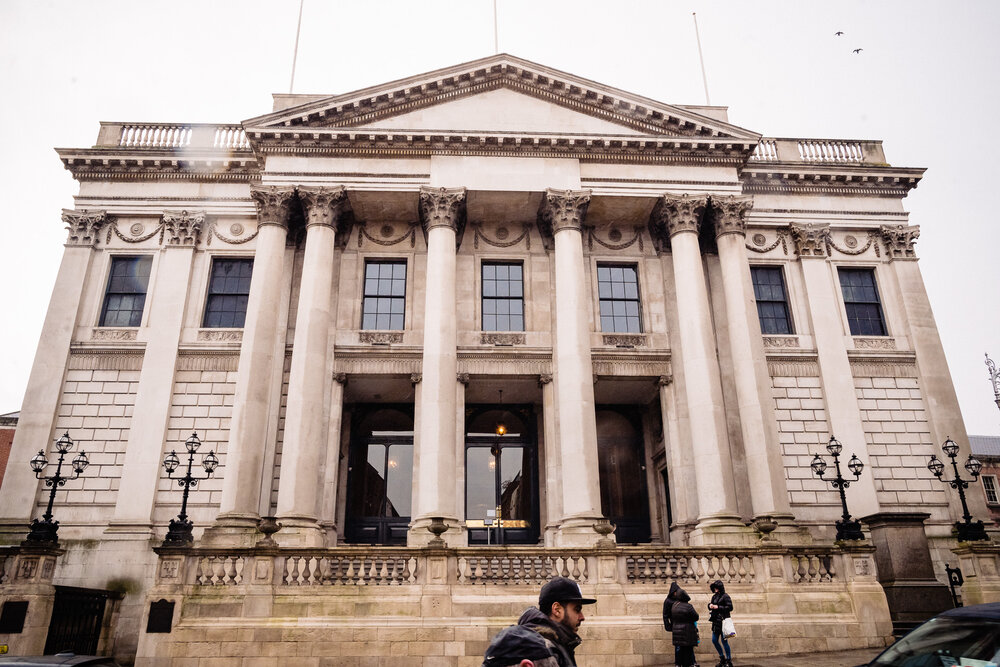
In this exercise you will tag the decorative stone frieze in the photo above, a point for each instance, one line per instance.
(624, 340)
(340, 378)
(463, 378)
(415, 378)
(274, 204)
(200, 360)
(221, 335)
(106, 360)
(497, 338)
(183, 228)
(811, 239)
(674, 214)
(899, 240)
(562, 209)
(113, 334)
(83, 226)
(729, 213)
(443, 207)
(883, 368)
(784, 367)
(380, 337)
(760, 245)
(665, 380)
(323, 206)
(885, 343)
(781, 341)
(544, 379)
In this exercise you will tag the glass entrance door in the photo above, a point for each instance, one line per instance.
(624, 497)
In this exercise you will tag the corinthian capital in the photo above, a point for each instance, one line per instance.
(323, 206)
(675, 214)
(728, 214)
(442, 207)
(83, 226)
(810, 239)
(899, 240)
(274, 204)
(183, 228)
(562, 209)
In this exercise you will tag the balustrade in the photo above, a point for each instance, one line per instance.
(818, 151)
(368, 569)
(528, 567)
(168, 135)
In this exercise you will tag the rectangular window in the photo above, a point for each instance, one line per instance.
(772, 300)
(385, 295)
(228, 292)
(990, 486)
(126, 293)
(503, 297)
(618, 290)
(864, 310)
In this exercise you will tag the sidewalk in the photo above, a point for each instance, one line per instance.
(829, 659)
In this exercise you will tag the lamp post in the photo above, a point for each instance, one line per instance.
(179, 532)
(847, 528)
(967, 529)
(994, 378)
(46, 530)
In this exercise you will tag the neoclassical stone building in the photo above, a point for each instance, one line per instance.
(466, 330)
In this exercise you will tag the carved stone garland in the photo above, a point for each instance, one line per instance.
(478, 235)
(855, 251)
(213, 231)
(759, 241)
(636, 238)
(411, 234)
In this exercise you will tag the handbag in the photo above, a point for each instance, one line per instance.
(728, 628)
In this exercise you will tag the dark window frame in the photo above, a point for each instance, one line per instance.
(498, 301)
(115, 291)
(772, 311)
(609, 295)
(384, 295)
(225, 294)
(862, 303)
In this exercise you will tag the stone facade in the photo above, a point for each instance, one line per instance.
(493, 244)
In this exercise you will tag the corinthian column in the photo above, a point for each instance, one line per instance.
(310, 379)
(442, 213)
(679, 220)
(765, 470)
(241, 487)
(562, 214)
(45, 383)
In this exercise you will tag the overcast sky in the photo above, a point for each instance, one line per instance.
(925, 83)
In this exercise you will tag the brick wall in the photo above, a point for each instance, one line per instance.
(802, 431)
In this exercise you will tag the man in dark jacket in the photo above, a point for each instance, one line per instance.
(558, 617)
(720, 607)
(685, 632)
(668, 604)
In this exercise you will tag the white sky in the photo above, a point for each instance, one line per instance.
(927, 75)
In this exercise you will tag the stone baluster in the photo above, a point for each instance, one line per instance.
(239, 506)
(310, 377)
(442, 214)
(677, 220)
(765, 469)
(562, 214)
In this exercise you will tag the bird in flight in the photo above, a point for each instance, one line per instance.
(839, 33)
(858, 50)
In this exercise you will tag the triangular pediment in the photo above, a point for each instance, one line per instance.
(500, 94)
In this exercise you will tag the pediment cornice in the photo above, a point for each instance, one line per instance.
(363, 107)
(164, 164)
(758, 178)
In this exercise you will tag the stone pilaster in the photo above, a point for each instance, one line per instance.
(680, 217)
(331, 470)
(550, 443)
(309, 382)
(824, 297)
(241, 490)
(45, 383)
(143, 453)
(442, 214)
(563, 212)
(765, 470)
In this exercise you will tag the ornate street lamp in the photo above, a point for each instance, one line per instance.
(967, 529)
(994, 378)
(179, 532)
(847, 528)
(46, 530)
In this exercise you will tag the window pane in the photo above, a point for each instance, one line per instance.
(618, 292)
(400, 479)
(861, 302)
(126, 292)
(501, 281)
(480, 495)
(772, 306)
(384, 302)
(228, 292)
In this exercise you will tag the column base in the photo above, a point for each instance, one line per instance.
(581, 531)
(232, 530)
(723, 530)
(420, 534)
(300, 531)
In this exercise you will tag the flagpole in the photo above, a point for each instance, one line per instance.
(701, 58)
(496, 40)
(295, 53)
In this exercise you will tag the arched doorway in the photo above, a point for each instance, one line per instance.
(501, 482)
(622, 464)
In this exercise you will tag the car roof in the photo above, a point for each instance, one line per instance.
(989, 610)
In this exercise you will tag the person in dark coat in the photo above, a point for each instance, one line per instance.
(719, 608)
(668, 604)
(685, 633)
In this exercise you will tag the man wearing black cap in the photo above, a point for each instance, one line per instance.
(517, 646)
(558, 617)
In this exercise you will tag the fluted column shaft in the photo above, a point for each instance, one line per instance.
(553, 476)
(765, 470)
(564, 211)
(309, 382)
(241, 488)
(442, 214)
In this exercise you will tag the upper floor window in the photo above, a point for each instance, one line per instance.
(618, 290)
(385, 295)
(503, 297)
(772, 300)
(126, 294)
(228, 293)
(990, 487)
(864, 310)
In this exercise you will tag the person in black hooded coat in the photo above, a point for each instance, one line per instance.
(720, 607)
(683, 619)
(668, 605)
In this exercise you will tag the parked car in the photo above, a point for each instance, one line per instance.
(65, 658)
(965, 637)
